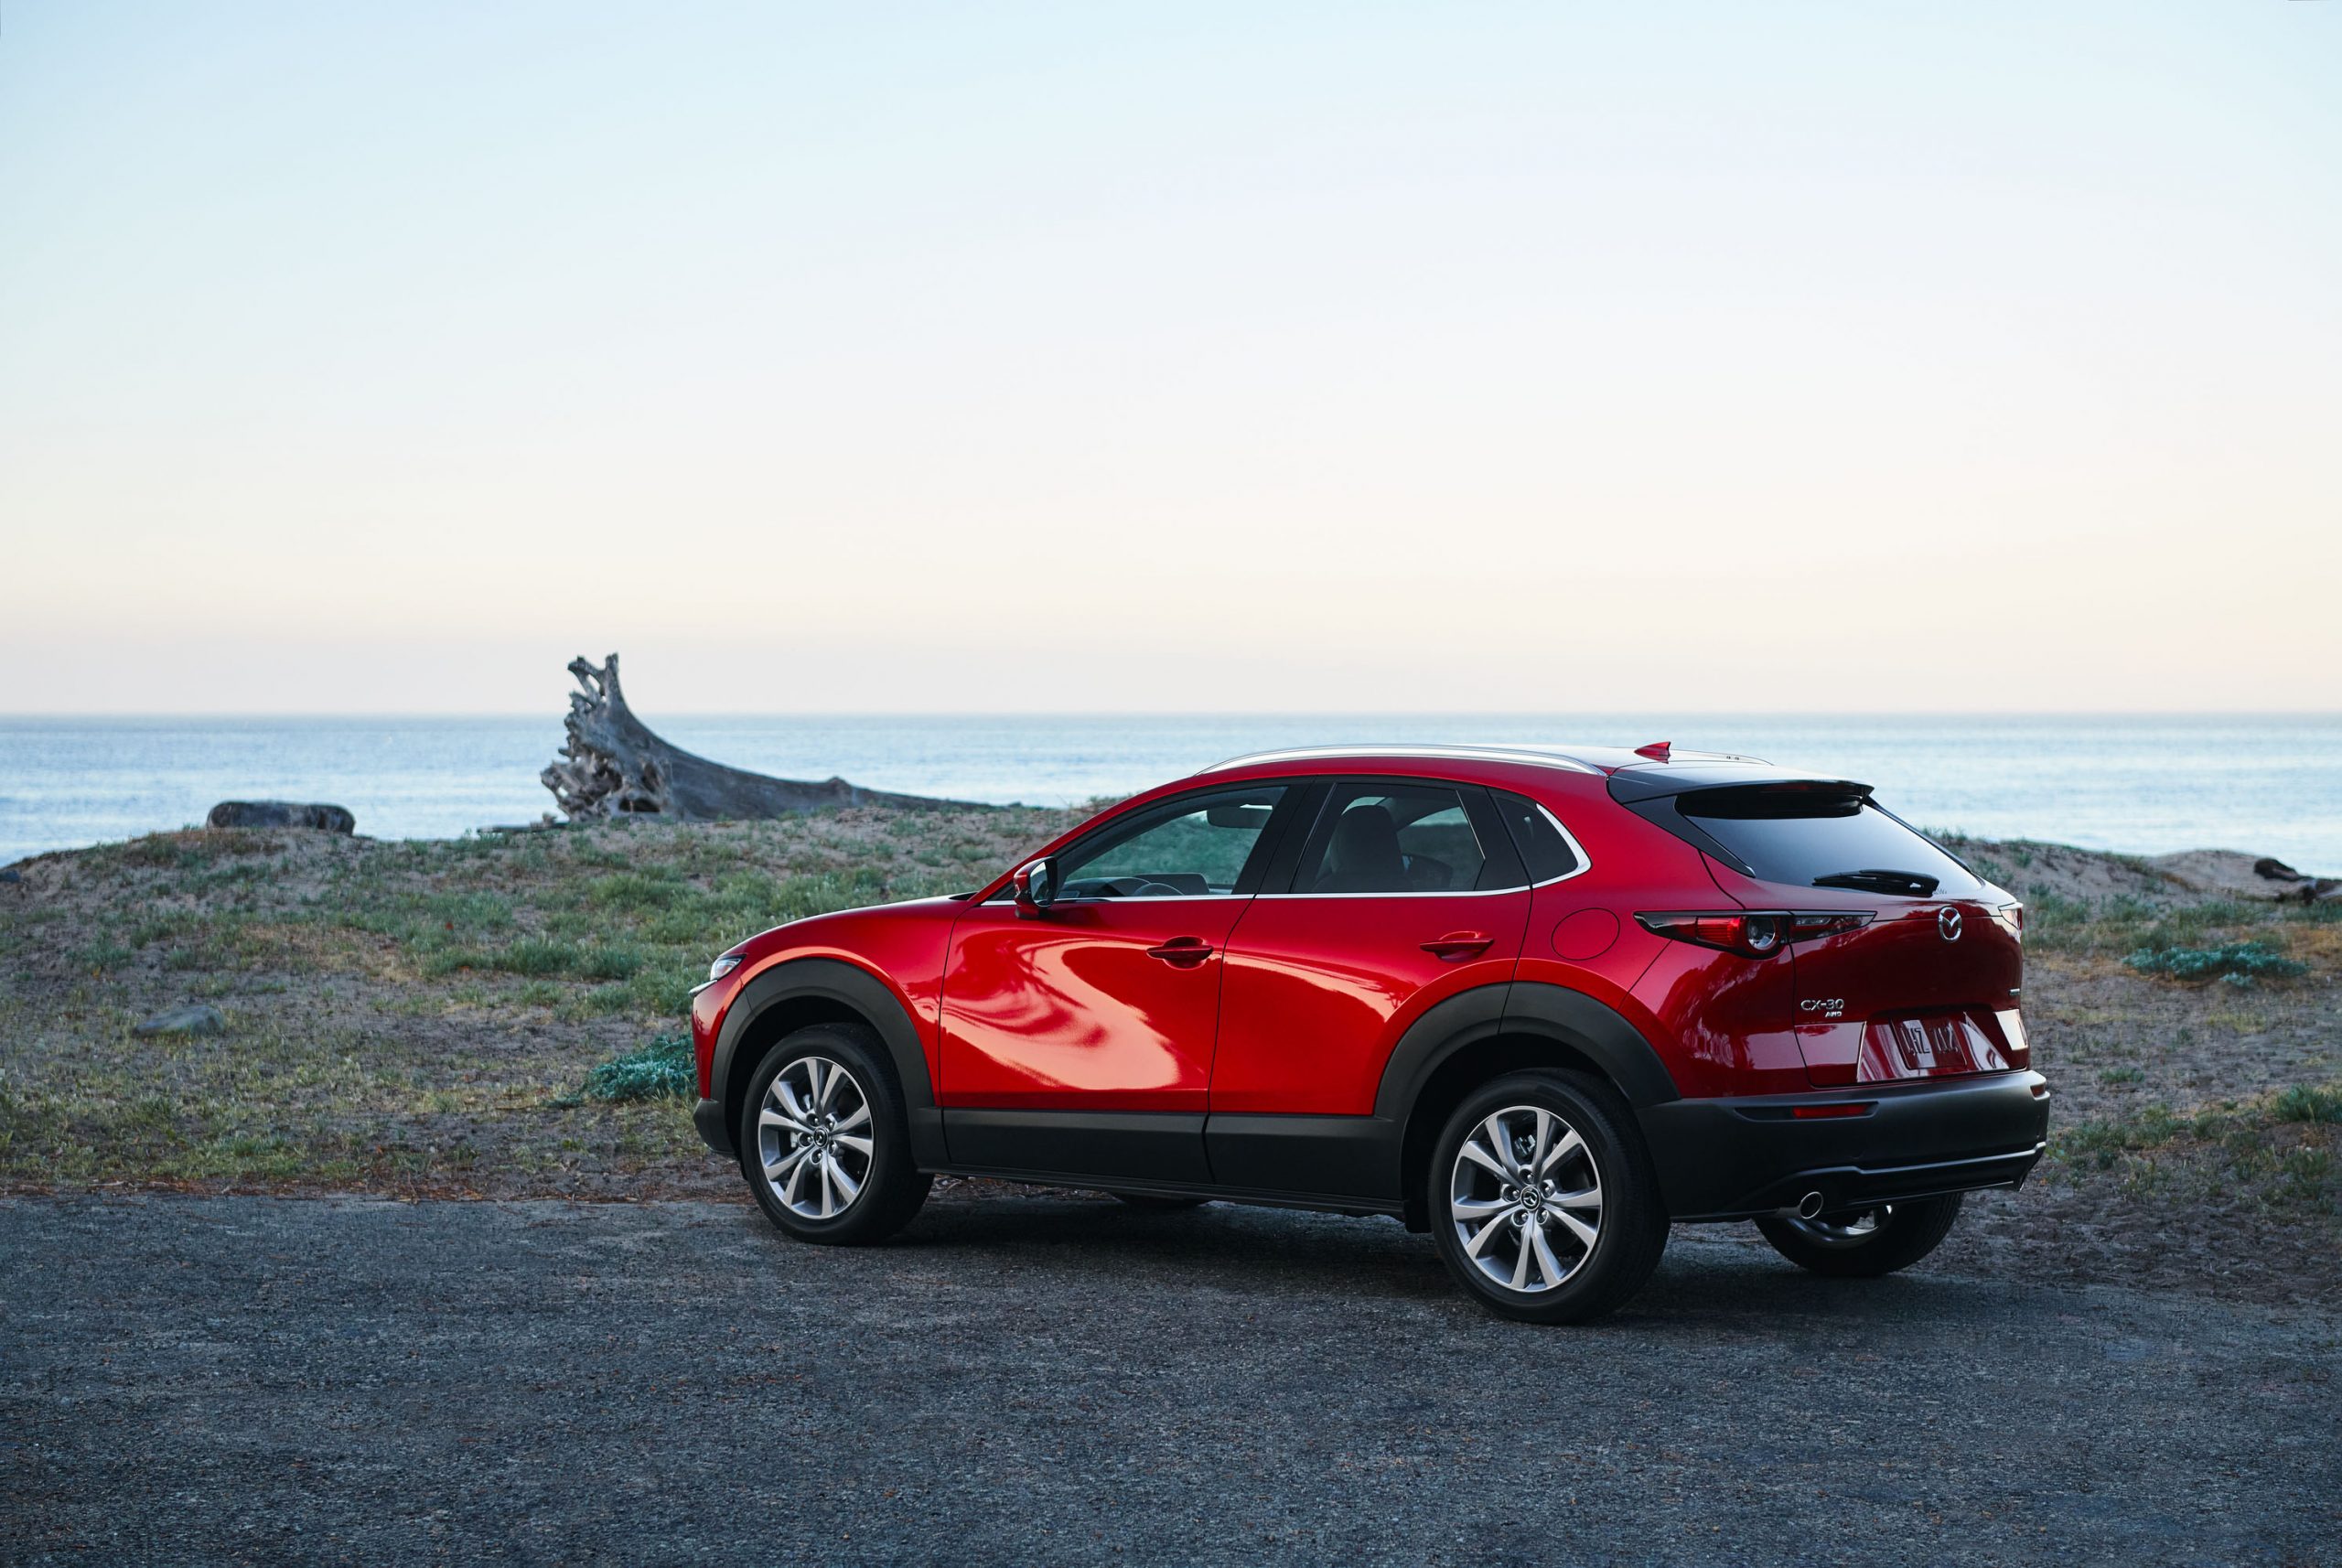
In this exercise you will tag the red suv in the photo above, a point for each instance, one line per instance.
(1539, 1003)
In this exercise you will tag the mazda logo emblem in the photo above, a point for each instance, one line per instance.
(1948, 922)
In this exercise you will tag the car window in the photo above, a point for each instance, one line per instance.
(1543, 848)
(1809, 837)
(1183, 848)
(1392, 838)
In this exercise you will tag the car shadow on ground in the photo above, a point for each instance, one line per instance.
(1711, 1275)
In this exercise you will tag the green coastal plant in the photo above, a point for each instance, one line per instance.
(2309, 1103)
(663, 1069)
(2230, 961)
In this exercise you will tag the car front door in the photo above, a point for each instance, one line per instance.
(1404, 893)
(1081, 1042)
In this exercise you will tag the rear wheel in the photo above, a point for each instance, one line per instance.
(1861, 1243)
(823, 1140)
(1542, 1201)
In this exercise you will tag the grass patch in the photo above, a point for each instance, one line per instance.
(634, 890)
(2273, 1153)
(534, 956)
(663, 1068)
(2229, 960)
(603, 961)
(2309, 1103)
(2055, 922)
(2124, 924)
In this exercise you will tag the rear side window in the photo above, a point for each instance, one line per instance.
(1392, 838)
(1543, 848)
(1811, 838)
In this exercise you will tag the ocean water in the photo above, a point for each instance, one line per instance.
(2270, 784)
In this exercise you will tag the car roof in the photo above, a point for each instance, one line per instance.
(1631, 775)
(1570, 759)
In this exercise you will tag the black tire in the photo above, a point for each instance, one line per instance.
(1898, 1235)
(887, 1186)
(1155, 1203)
(1630, 1231)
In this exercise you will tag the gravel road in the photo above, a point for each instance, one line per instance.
(1037, 1379)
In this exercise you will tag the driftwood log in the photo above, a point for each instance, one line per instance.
(613, 766)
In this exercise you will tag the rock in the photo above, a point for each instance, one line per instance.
(2227, 873)
(280, 814)
(545, 825)
(2292, 884)
(195, 1018)
(11, 875)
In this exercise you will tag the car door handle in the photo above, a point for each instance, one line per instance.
(1182, 952)
(1458, 944)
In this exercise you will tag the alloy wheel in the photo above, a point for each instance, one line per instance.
(1526, 1199)
(814, 1138)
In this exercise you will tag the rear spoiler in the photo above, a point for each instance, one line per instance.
(1629, 785)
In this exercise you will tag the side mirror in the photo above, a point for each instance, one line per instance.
(1037, 888)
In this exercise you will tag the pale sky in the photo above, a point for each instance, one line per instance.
(1552, 357)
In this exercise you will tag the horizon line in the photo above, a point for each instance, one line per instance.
(1443, 714)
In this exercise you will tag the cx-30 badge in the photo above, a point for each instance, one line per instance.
(1947, 923)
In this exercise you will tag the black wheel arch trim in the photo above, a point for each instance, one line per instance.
(1598, 1030)
(857, 989)
(1592, 1029)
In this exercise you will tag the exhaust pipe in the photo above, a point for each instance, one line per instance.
(1810, 1206)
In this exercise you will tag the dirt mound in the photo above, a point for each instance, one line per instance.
(2095, 878)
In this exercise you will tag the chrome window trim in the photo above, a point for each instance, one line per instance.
(1008, 895)
(1410, 893)
(1425, 753)
(1585, 861)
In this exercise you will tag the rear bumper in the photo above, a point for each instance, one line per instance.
(1730, 1159)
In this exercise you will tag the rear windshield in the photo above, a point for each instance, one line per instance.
(1822, 839)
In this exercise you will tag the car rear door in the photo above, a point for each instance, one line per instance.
(1403, 892)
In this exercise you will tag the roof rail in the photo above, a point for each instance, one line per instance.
(1532, 755)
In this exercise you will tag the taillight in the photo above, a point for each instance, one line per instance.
(1826, 922)
(1751, 933)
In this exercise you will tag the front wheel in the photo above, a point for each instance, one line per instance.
(823, 1140)
(1862, 1243)
(1542, 1200)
